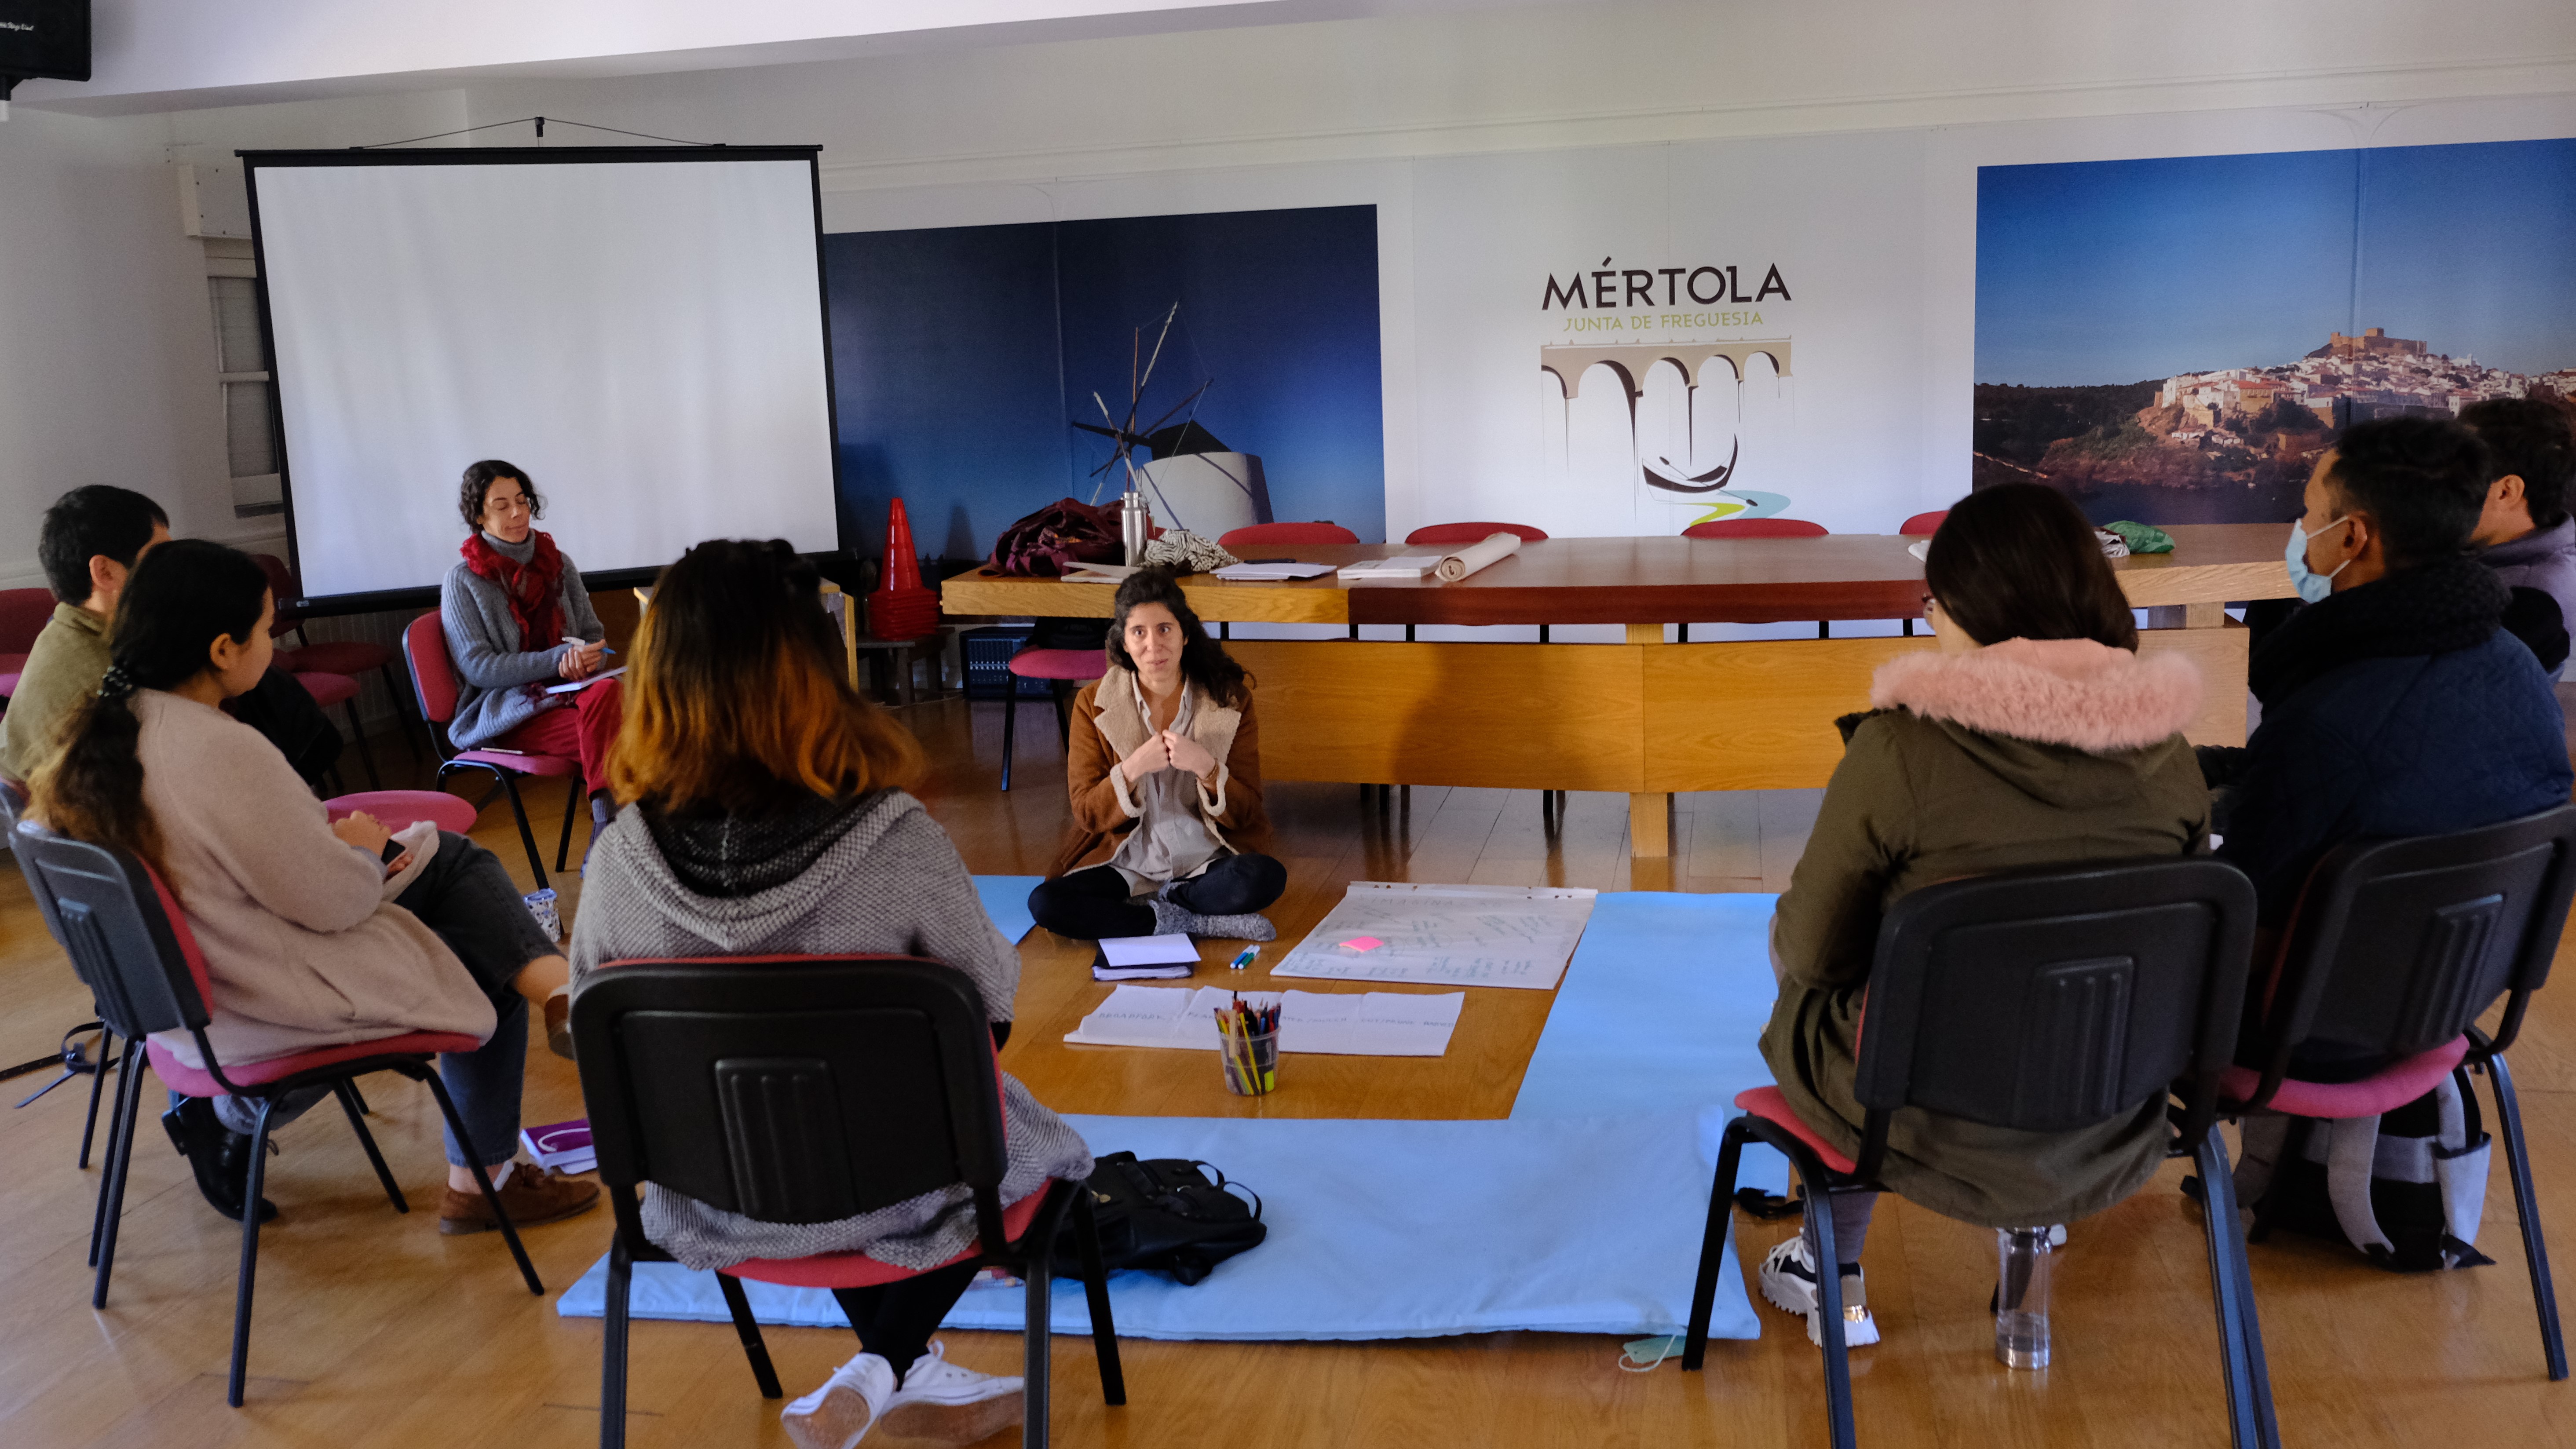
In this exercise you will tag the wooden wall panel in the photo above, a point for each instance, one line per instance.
(1755, 716)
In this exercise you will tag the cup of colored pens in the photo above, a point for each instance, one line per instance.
(1247, 1040)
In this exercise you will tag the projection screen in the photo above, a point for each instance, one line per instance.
(641, 329)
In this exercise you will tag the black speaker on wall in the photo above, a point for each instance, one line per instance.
(43, 39)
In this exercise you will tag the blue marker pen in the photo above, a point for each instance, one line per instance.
(1249, 955)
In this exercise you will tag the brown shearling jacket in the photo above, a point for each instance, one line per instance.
(1107, 728)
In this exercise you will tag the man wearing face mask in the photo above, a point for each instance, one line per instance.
(2395, 703)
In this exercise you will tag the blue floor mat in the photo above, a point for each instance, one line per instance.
(1006, 900)
(1661, 1010)
(1377, 1230)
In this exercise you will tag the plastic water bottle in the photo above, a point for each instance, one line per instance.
(2021, 1297)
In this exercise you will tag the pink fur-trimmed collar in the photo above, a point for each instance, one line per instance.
(2053, 691)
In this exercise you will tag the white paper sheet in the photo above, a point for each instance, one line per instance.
(1446, 935)
(1349, 1024)
(1148, 950)
(1257, 573)
(1402, 566)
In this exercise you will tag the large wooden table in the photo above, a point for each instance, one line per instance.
(1646, 718)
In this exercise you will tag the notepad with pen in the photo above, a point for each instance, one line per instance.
(1145, 958)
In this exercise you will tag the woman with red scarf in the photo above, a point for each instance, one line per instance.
(518, 620)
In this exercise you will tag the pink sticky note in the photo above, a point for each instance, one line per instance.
(1362, 943)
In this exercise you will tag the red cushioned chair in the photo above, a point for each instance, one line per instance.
(1923, 525)
(2037, 1001)
(433, 683)
(1267, 535)
(1065, 668)
(352, 657)
(806, 1089)
(23, 615)
(74, 1059)
(2396, 949)
(131, 943)
(398, 809)
(1759, 528)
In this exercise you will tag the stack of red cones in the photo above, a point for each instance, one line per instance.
(901, 608)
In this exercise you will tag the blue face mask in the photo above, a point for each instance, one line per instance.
(2312, 587)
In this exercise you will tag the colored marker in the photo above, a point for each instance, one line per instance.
(1245, 958)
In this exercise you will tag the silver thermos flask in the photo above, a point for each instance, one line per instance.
(1135, 525)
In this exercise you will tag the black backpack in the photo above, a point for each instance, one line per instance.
(1163, 1215)
(2407, 1188)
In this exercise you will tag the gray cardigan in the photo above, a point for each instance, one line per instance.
(893, 883)
(491, 667)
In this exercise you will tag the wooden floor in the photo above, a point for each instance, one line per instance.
(374, 1331)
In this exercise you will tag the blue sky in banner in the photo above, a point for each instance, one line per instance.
(2121, 271)
(962, 354)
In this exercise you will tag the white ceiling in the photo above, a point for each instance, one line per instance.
(167, 55)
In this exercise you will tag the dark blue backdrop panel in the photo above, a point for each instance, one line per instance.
(961, 356)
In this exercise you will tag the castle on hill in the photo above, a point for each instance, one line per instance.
(2348, 380)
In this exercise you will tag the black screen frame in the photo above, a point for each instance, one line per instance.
(376, 601)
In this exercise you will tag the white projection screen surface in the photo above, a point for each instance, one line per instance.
(645, 338)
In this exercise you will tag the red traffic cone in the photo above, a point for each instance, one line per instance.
(901, 608)
(903, 566)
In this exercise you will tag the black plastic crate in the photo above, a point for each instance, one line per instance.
(988, 654)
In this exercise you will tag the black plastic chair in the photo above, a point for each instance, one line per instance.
(805, 1089)
(131, 943)
(2395, 951)
(2042, 1001)
(73, 1061)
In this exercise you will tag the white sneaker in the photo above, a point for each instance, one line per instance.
(840, 1413)
(941, 1401)
(1789, 1282)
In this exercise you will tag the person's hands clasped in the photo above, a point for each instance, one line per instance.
(362, 830)
(1188, 754)
(580, 661)
(1155, 754)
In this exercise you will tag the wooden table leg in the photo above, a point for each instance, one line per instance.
(1650, 825)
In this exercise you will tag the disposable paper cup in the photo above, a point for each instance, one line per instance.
(1251, 1063)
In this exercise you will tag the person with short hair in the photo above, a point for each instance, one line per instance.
(2395, 704)
(2034, 734)
(518, 620)
(2524, 531)
(1168, 835)
(316, 933)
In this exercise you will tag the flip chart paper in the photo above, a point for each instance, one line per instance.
(1446, 935)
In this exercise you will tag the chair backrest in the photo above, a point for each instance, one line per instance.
(1755, 528)
(2401, 945)
(433, 673)
(790, 1089)
(125, 934)
(1453, 534)
(13, 804)
(1923, 525)
(2052, 999)
(281, 588)
(1260, 535)
(23, 615)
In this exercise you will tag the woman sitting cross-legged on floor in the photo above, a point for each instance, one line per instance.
(767, 816)
(2035, 734)
(302, 947)
(1164, 766)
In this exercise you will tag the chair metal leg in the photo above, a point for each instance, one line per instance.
(249, 1250)
(1712, 1243)
(747, 1328)
(111, 1192)
(1037, 1348)
(612, 1349)
(2250, 1420)
(360, 1098)
(2526, 1206)
(1010, 721)
(527, 837)
(97, 1080)
(366, 752)
(1095, 1292)
(357, 1123)
(482, 1177)
(1829, 1306)
(572, 804)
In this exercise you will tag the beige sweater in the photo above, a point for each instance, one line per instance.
(303, 950)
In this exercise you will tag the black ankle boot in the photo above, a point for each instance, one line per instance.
(218, 1155)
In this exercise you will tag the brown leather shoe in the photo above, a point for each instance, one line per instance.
(533, 1196)
(559, 1026)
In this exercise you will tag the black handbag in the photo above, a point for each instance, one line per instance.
(1163, 1215)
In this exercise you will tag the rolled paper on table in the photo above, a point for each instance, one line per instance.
(1495, 548)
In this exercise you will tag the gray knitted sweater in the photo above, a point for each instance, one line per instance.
(892, 883)
(493, 667)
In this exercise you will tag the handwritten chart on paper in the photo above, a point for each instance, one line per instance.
(1445, 935)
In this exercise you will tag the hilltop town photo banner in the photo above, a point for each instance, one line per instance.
(2175, 340)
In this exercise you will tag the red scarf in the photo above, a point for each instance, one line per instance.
(535, 588)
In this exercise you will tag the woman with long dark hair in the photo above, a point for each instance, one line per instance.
(2034, 733)
(1164, 765)
(308, 942)
(768, 816)
(518, 622)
